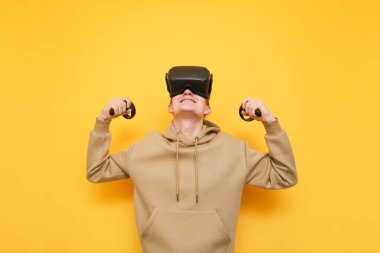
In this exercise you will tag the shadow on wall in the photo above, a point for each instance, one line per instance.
(121, 190)
(257, 200)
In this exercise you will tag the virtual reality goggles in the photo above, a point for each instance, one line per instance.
(195, 78)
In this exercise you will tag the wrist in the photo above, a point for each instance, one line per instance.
(102, 126)
(270, 119)
(272, 128)
(100, 117)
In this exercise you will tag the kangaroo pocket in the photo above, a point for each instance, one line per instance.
(185, 231)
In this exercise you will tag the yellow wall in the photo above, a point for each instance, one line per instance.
(314, 63)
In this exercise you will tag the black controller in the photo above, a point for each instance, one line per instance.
(127, 116)
(257, 113)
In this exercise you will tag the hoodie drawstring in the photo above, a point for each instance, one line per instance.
(195, 165)
(196, 169)
(177, 168)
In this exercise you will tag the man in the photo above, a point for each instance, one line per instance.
(188, 181)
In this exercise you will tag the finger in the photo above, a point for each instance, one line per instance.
(245, 101)
(127, 101)
(123, 105)
(115, 107)
(249, 105)
(127, 104)
(246, 108)
(252, 108)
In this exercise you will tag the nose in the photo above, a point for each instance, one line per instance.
(187, 92)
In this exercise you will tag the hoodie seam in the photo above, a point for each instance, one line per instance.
(129, 157)
(246, 162)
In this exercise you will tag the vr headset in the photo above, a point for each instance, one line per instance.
(195, 78)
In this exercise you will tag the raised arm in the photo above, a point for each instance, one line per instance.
(275, 169)
(101, 166)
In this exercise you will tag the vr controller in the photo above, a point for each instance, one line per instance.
(257, 113)
(127, 116)
(195, 78)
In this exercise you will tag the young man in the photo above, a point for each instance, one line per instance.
(188, 181)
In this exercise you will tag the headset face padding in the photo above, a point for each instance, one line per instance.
(197, 79)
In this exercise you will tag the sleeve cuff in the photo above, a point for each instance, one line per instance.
(102, 126)
(272, 128)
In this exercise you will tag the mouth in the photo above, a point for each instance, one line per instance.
(187, 99)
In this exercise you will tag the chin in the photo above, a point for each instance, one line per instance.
(187, 111)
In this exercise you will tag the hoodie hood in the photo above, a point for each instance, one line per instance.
(208, 132)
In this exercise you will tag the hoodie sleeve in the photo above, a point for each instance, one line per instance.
(275, 169)
(101, 166)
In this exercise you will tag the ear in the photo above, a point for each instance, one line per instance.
(170, 108)
(207, 110)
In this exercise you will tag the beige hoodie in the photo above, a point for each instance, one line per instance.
(187, 192)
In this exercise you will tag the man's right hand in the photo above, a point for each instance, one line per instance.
(119, 106)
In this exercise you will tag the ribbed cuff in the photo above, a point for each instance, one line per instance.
(272, 128)
(102, 126)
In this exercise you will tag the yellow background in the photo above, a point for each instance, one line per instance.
(315, 64)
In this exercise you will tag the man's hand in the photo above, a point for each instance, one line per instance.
(250, 105)
(119, 106)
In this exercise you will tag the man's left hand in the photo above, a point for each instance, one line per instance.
(250, 105)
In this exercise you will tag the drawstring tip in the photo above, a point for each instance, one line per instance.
(196, 199)
(177, 197)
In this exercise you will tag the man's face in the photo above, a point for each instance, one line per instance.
(189, 103)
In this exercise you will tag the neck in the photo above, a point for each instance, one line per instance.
(189, 127)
